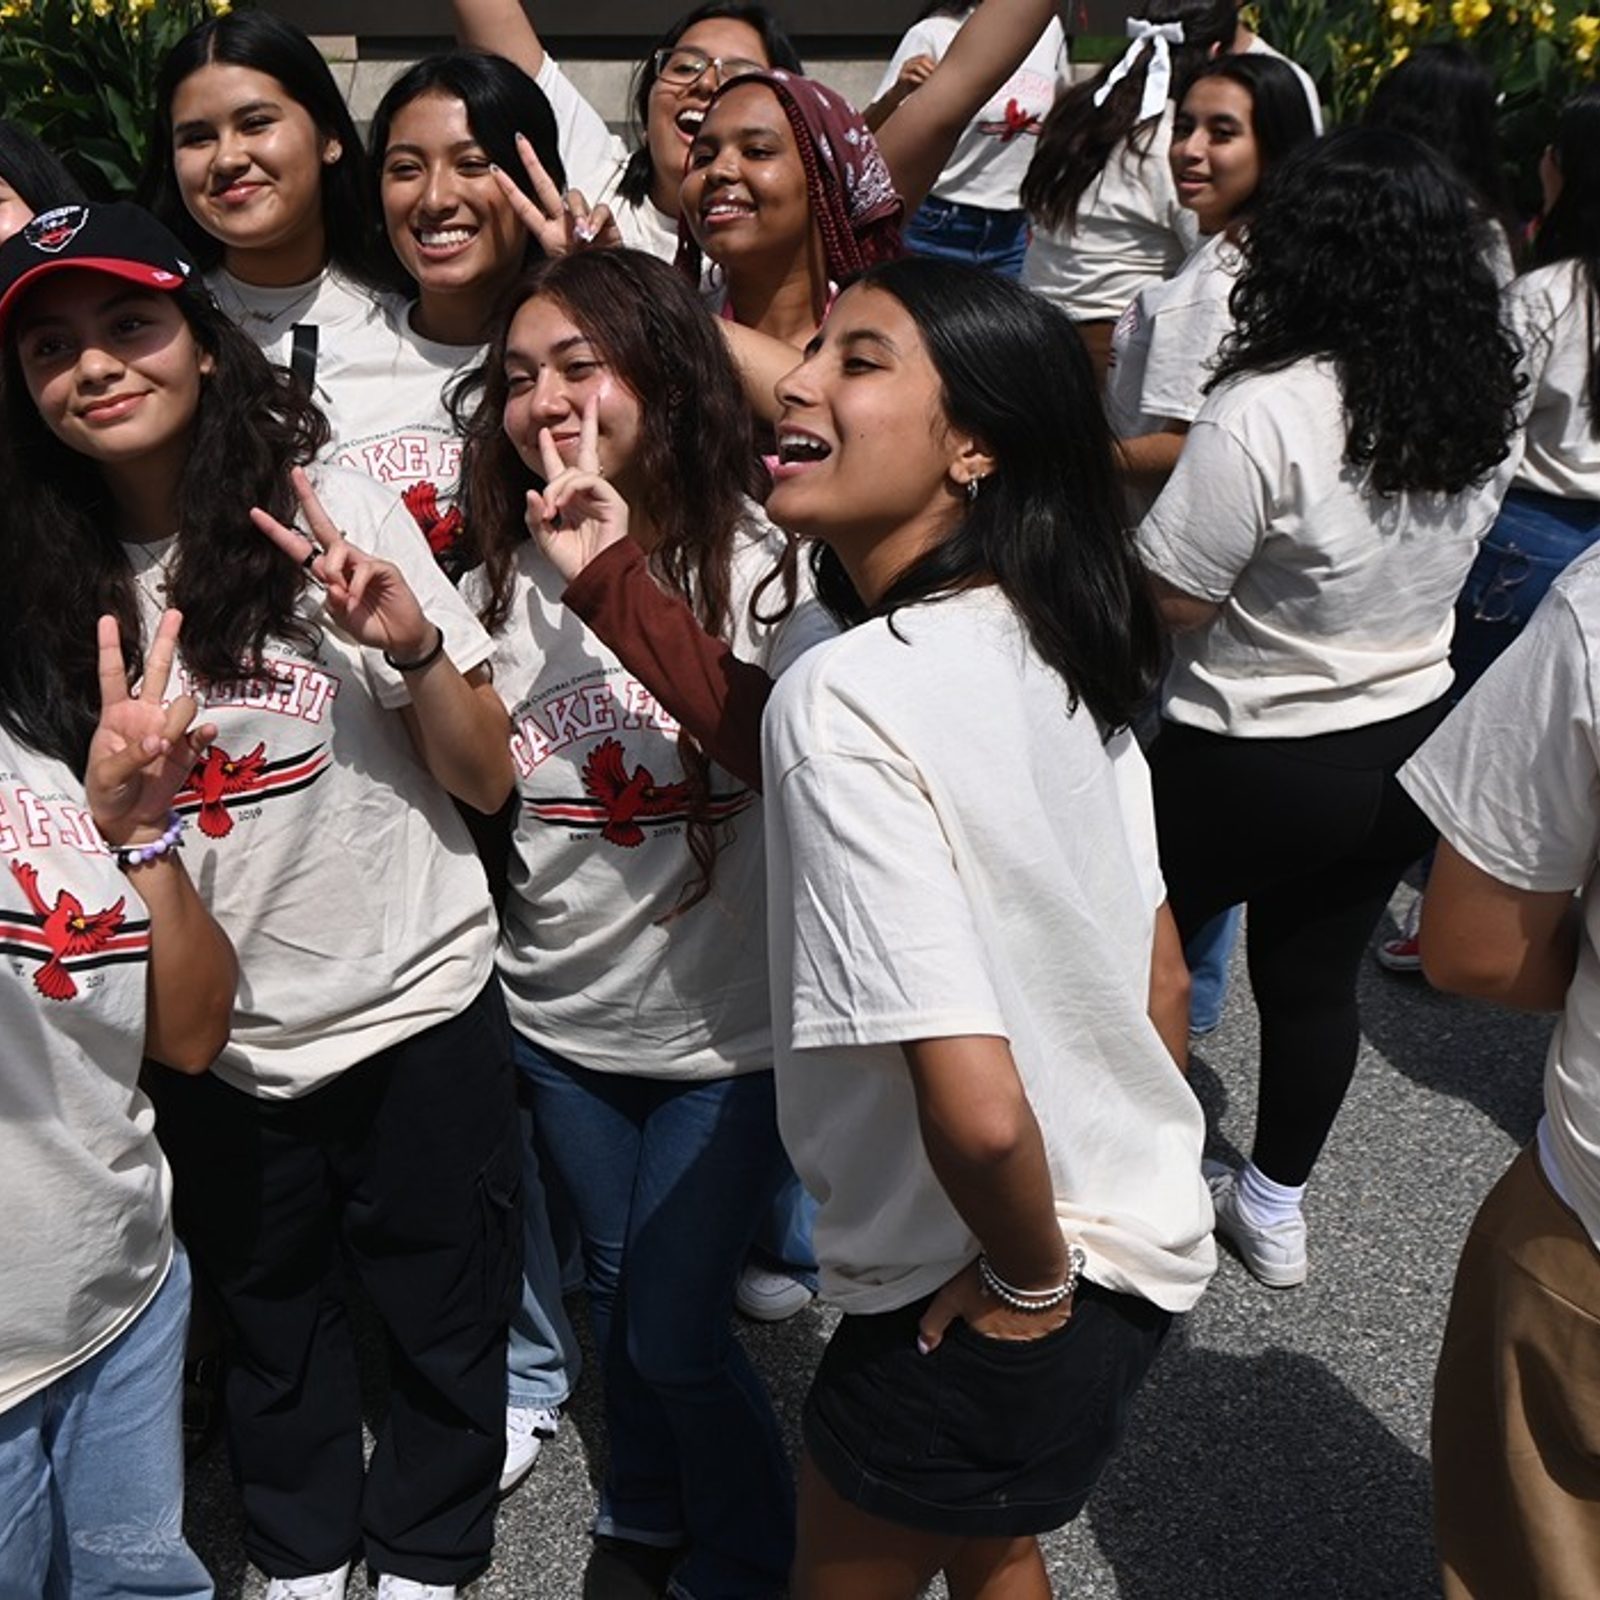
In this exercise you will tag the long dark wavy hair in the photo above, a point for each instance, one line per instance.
(634, 186)
(263, 42)
(1361, 252)
(1444, 96)
(696, 459)
(1280, 114)
(1079, 137)
(501, 100)
(36, 175)
(66, 568)
(1570, 230)
(1048, 525)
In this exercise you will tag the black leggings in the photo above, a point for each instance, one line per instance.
(1312, 836)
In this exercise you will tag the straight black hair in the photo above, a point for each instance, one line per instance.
(1571, 229)
(775, 42)
(501, 100)
(1048, 525)
(264, 43)
(1280, 114)
(39, 178)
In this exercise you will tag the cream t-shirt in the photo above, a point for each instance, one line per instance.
(330, 855)
(600, 852)
(1131, 232)
(1512, 780)
(1337, 603)
(1164, 344)
(1550, 311)
(83, 1184)
(952, 851)
(595, 159)
(991, 157)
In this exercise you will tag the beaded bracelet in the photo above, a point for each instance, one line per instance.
(421, 661)
(137, 855)
(1033, 1299)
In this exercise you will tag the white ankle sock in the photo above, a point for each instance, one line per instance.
(1264, 1202)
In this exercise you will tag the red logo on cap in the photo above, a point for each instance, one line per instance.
(54, 230)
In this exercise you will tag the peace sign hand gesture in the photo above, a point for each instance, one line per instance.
(140, 754)
(560, 224)
(579, 514)
(368, 598)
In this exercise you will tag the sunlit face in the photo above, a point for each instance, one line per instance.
(14, 210)
(114, 369)
(864, 446)
(553, 370)
(676, 109)
(744, 195)
(1216, 162)
(249, 163)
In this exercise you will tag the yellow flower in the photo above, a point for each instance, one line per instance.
(138, 8)
(1399, 55)
(1469, 15)
(1544, 16)
(1407, 11)
(219, 8)
(1585, 36)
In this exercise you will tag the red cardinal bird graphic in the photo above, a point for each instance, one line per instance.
(440, 529)
(69, 929)
(216, 775)
(606, 778)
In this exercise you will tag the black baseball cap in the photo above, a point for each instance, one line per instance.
(120, 239)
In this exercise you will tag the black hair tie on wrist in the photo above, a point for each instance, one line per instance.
(421, 661)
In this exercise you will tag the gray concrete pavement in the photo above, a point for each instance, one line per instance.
(1279, 1449)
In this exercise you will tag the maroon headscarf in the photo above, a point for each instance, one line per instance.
(852, 195)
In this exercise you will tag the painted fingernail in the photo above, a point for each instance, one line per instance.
(923, 1347)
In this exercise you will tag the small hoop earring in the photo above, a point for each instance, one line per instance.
(972, 490)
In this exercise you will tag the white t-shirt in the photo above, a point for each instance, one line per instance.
(600, 851)
(1337, 603)
(991, 157)
(83, 1185)
(1550, 311)
(1130, 232)
(951, 852)
(1259, 47)
(335, 861)
(595, 159)
(1512, 780)
(1163, 345)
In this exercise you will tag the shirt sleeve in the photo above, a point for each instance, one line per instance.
(1512, 777)
(592, 154)
(1211, 518)
(885, 947)
(398, 539)
(1184, 340)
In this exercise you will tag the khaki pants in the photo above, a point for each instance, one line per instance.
(1516, 1409)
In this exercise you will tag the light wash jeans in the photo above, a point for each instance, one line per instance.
(669, 1181)
(783, 1242)
(971, 235)
(1208, 955)
(91, 1471)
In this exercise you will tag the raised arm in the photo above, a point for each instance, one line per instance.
(991, 44)
(502, 28)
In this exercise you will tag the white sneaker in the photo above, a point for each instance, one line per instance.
(393, 1588)
(319, 1586)
(770, 1296)
(1277, 1254)
(527, 1429)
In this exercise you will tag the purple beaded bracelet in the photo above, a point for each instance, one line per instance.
(136, 855)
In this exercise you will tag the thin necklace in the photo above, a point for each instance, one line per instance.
(241, 311)
(149, 561)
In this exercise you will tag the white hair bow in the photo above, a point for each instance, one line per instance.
(1160, 37)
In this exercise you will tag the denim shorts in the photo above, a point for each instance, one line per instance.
(982, 1438)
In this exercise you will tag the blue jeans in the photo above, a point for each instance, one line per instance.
(1208, 954)
(669, 1181)
(543, 1360)
(1534, 539)
(971, 235)
(91, 1471)
(783, 1241)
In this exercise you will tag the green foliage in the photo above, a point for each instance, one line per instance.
(81, 75)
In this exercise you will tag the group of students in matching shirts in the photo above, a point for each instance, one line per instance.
(644, 677)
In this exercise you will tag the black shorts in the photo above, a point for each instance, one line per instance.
(983, 1438)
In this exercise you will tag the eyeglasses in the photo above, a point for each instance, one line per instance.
(1496, 604)
(683, 67)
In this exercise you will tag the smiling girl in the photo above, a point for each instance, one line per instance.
(969, 946)
(362, 1106)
